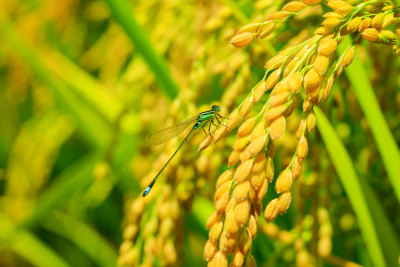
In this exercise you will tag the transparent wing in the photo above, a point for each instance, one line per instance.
(166, 134)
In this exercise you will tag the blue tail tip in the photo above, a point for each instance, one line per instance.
(146, 191)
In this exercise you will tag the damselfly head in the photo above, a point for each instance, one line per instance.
(216, 108)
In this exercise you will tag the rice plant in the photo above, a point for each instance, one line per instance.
(295, 163)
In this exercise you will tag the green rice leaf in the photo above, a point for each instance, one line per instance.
(122, 13)
(91, 242)
(385, 141)
(35, 251)
(351, 183)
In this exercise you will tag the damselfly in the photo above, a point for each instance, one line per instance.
(166, 134)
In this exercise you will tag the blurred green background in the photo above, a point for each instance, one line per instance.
(83, 82)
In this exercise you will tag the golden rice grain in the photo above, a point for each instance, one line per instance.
(257, 131)
(252, 28)
(284, 181)
(388, 35)
(365, 24)
(263, 190)
(243, 170)
(280, 87)
(327, 46)
(222, 189)
(169, 251)
(275, 62)
(242, 39)
(302, 147)
(219, 133)
(257, 145)
(377, 20)
(387, 7)
(241, 190)
(285, 237)
(278, 99)
(348, 57)
(335, 4)
(277, 128)
(259, 92)
(296, 168)
(290, 108)
(253, 225)
(328, 87)
(370, 34)
(233, 119)
(209, 250)
(231, 225)
(220, 259)
(278, 15)
(242, 212)
(246, 107)
(137, 207)
(241, 142)
(205, 143)
(311, 2)
(250, 260)
(294, 6)
(291, 66)
(294, 82)
(270, 230)
(229, 207)
(221, 202)
(332, 15)
(345, 9)
(259, 163)
(311, 121)
(131, 230)
(354, 24)
(257, 180)
(387, 20)
(246, 127)
(331, 22)
(252, 195)
(284, 202)
(215, 231)
(322, 31)
(245, 155)
(233, 158)
(321, 64)
(396, 21)
(238, 258)
(307, 104)
(313, 93)
(214, 217)
(269, 169)
(224, 177)
(245, 241)
(300, 129)
(271, 210)
(228, 242)
(272, 79)
(325, 248)
(311, 80)
(266, 30)
(274, 112)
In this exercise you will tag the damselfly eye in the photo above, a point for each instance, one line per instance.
(215, 107)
